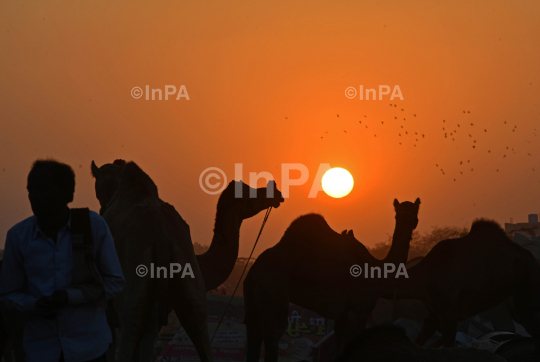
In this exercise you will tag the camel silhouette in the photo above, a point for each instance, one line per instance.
(390, 343)
(462, 277)
(148, 230)
(389, 310)
(311, 267)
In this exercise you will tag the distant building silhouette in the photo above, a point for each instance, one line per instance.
(532, 227)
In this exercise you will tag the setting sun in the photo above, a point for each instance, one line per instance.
(337, 182)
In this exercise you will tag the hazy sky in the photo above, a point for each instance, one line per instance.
(266, 81)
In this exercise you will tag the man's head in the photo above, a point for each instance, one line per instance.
(51, 185)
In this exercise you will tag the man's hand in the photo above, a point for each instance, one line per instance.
(48, 306)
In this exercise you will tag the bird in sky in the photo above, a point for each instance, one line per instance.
(414, 115)
(338, 115)
(344, 131)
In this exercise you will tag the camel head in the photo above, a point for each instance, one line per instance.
(247, 201)
(407, 211)
(107, 181)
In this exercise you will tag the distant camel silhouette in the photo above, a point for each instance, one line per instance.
(462, 277)
(311, 267)
(390, 343)
(148, 230)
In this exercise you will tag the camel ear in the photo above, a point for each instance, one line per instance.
(94, 169)
(417, 202)
(396, 203)
(350, 233)
(344, 232)
(270, 183)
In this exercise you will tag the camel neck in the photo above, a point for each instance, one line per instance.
(218, 262)
(401, 240)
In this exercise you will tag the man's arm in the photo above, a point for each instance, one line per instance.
(13, 278)
(107, 260)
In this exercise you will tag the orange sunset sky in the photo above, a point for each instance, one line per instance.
(266, 81)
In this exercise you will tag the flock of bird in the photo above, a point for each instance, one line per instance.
(465, 129)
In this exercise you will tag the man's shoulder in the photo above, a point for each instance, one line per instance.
(97, 221)
(95, 216)
(24, 226)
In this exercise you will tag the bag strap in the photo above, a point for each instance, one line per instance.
(81, 232)
(86, 276)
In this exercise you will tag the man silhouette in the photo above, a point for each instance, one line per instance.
(37, 277)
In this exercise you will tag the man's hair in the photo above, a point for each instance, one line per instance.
(61, 173)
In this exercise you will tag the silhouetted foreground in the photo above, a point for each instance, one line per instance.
(388, 343)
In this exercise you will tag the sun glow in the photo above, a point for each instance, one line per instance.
(337, 182)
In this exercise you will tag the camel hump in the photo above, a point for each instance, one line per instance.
(485, 226)
(307, 223)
